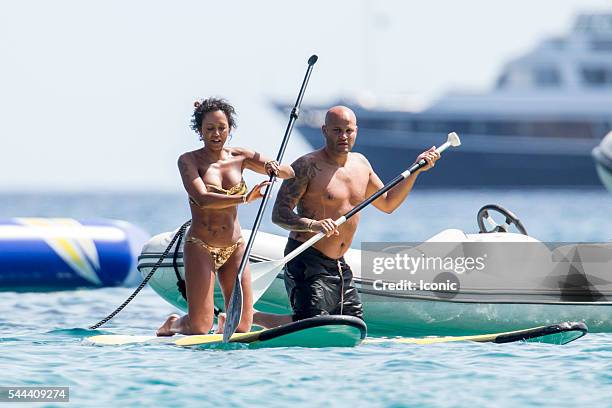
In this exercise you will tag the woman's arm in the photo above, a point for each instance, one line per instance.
(195, 187)
(262, 165)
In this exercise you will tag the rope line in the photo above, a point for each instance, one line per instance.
(144, 282)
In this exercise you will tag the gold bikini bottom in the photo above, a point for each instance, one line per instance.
(218, 255)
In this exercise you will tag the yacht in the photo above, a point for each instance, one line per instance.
(548, 110)
(603, 161)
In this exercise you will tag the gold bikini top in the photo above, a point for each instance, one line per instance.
(238, 189)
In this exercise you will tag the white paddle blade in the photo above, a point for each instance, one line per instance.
(263, 275)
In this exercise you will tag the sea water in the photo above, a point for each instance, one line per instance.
(41, 333)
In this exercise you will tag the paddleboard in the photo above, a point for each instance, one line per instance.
(320, 331)
(560, 334)
(341, 331)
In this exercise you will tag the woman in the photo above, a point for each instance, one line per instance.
(212, 176)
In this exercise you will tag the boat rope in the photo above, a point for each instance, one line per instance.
(144, 282)
(180, 282)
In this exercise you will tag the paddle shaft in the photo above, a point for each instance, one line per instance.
(316, 238)
(293, 117)
(230, 326)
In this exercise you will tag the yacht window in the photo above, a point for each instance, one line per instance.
(560, 129)
(429, 126)
(528, 128)
(594, 76)
(373, 123)
(501, 128)
(601, 45)
(546, 77)
(594, 23)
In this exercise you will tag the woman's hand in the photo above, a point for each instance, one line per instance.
(256, 193)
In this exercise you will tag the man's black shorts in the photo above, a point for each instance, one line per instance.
(316, 287)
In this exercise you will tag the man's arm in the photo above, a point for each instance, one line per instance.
(392, 199)
(291, 192)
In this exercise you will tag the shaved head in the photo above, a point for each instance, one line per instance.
(340, 113)
(340, 130)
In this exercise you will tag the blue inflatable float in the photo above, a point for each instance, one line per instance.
(63, 253)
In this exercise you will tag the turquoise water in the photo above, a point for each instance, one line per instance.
(41, 333)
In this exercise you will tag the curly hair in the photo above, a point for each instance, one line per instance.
(212, 105)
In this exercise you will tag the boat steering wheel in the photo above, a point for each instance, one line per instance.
(511, 219)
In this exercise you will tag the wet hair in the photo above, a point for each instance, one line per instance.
(202, 107)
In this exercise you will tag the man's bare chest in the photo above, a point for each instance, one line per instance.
(340, 187)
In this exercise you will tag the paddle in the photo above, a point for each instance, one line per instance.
(234, 310)
(264, 273)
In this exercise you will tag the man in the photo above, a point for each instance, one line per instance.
(328, 183)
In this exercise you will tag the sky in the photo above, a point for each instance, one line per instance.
(97, 96)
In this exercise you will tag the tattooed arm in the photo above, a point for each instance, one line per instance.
(291, 192)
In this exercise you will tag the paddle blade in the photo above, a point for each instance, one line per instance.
(263, 275)
(234, 311)
(312, 60)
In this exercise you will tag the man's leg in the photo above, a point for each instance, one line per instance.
(265, 320)
(270, 320)
(301, 302)
(351, 302)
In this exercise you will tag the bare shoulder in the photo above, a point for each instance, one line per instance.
(307, 166)
(361, 160)
(359, 157)
(187, 164)
(185, 159)
(307, 158)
